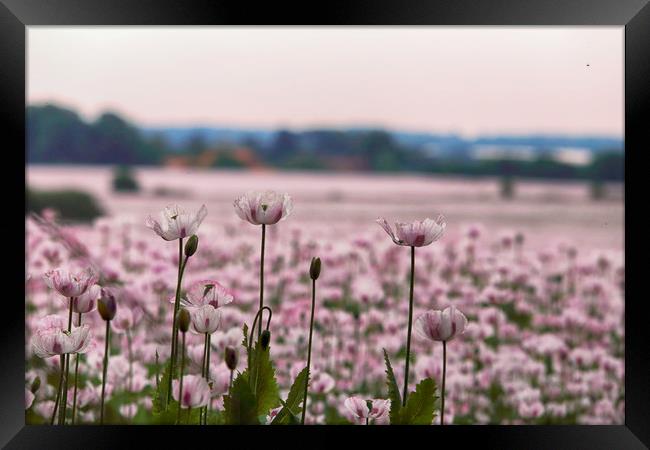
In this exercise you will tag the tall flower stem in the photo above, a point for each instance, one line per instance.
(58, 392)
(105, 364)
(174, 350)
(130, 350)
(444, 373)
(311, 330)
(207, 378)
(408, 337)
(180, 388)
(76, 375)
(259, 329)
(230, 382)
(64, 392)
(204, 368)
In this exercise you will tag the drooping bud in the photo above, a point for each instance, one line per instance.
(106, 305)
(36, 384)
(265, 339)
(314, 268)
(191, 245)
(230, 356)
(184, 320)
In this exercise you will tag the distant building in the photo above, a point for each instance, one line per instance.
(575, 156)
(513, 152)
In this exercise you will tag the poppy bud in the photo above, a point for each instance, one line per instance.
(35, 385)
(314, 268)
(106, 305)
(265, 339)
(191, 245)
(184, 320)
(231, 358)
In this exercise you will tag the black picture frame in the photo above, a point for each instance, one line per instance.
(634, 15)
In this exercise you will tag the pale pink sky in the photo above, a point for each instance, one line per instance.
(468, 80)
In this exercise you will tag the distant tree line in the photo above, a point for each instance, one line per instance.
(57, 135)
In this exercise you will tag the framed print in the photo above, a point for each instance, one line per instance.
(374, 218)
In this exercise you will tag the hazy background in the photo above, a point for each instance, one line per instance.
(515, 127)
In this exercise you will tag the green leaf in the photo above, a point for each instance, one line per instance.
(240, 406)
(245, 344)
(420, 406)
(160, 394)
(292, 406)
(262, 380)
(393, 393)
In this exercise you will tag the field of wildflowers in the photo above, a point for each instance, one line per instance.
(167, 319)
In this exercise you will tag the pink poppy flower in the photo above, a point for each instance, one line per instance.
(175, 223)
(53, 341)
(357, 406)
(70, 284)
(86, 302)
(29, 398)
(263, 208)
(441, 325)
(196, 392)
(417, 233)
(126, 319)
(206, 292)
(206, 319)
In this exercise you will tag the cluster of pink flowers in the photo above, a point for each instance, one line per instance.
(539, 340)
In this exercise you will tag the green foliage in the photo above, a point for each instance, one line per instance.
(160, 394)
(291, 407)
(420, 405)
(59, 135)
(597, 190)
(255, 391)
(71, 204)
(507, 187)
(393, 392)
(227, 160)
(523, 320)
(262, 380)
(124, 180)
(240, 407)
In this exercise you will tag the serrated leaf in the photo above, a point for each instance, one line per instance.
(240, 406)
(171, 417)
(420, 405)
(292, 406)
(160, 394)
(245, 344)
(262, 380)
(393, 393)
(244, 341)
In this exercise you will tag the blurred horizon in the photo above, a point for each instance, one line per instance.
(462, 81)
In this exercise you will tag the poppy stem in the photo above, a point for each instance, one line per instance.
(311, 330)
(203, 369)
(58, 392)
(76, 375)
(444, 373)
(207, 377)
(174, 350)
(130, 350)
(106, 350)
(64, 393)
(180, 387)
(408, 336)
(259, 329)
